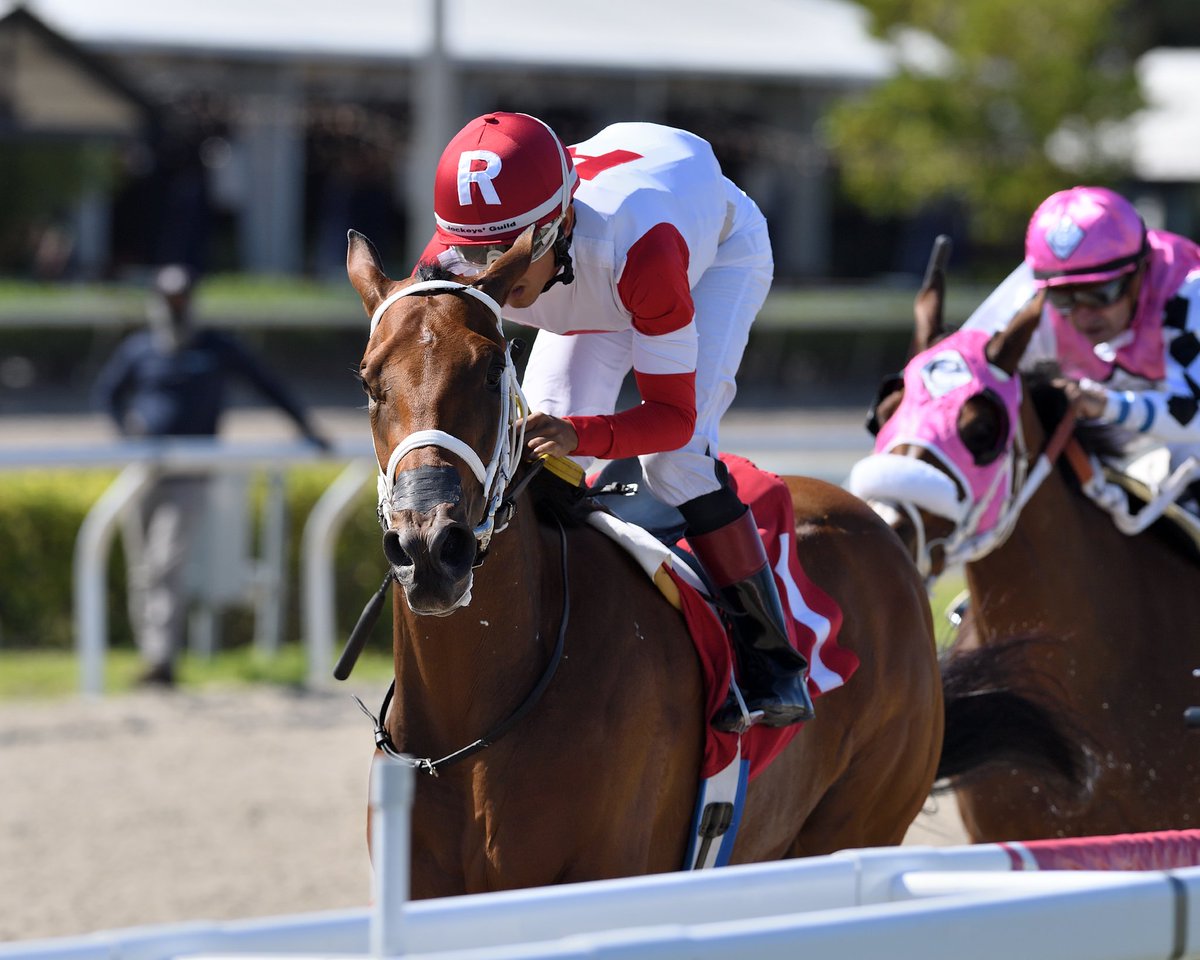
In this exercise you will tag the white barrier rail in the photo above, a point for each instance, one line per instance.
(911, 903)
(795, 445)
(319, 606)
(143, 461)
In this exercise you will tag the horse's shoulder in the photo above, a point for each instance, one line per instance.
(820, 504)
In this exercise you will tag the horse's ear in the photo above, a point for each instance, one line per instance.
(365, 271)
(929, 306)
(1007, 347)
(502, 275)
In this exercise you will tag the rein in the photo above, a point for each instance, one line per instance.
(500, 500)
(963, 547)
(383, 739)
(964, 544)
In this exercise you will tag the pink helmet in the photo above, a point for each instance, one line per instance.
(499, 174)
(1084, 235)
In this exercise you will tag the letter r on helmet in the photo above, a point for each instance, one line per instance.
(469, 172)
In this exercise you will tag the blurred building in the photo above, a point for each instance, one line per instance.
(247, 135)
(1165, 140)
(276, 126)
(60, 108)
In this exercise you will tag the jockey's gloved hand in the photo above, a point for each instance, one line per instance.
(1088, 399)
(548, 436)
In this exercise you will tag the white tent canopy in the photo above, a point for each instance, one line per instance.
(826, 39)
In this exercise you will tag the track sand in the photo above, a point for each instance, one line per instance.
(163, 807)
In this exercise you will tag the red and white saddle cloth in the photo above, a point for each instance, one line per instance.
(814, 617)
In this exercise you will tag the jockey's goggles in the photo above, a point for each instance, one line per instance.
(1066, 299)
(485, 254)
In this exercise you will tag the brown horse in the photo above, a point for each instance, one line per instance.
(1070, 621)
(595, 773)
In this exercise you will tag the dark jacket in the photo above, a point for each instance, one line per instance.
(151, 391)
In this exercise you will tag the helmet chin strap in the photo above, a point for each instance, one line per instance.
(564, 267)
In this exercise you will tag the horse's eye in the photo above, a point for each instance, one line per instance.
(495, 374)
(983, 428)
(373, 395)
(887, 399)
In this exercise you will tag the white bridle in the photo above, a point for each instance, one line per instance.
(889, 482)
(495, 475)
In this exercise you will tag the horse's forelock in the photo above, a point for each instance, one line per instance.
(434, 271)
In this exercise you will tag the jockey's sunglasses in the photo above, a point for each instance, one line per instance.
(1066, 299)
(485, 254)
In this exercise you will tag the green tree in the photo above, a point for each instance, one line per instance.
(1009, 101)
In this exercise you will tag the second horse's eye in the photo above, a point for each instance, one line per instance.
(373, 395)
(983, 427)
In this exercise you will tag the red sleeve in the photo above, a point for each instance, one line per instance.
(654, 288)
(654, 284)
(664, 420)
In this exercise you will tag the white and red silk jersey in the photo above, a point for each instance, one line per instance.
(651, 209)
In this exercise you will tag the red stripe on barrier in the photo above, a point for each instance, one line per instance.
(1160, 850)
(1014, 855)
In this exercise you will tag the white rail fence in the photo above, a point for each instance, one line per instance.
(808, 445)
(904, 903)
(141, 463)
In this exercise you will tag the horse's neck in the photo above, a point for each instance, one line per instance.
(1063, 560)
(460, 675)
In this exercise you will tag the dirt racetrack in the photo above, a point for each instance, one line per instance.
(154, 807)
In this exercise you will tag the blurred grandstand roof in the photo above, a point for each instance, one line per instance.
(58, 88)
(825, 39)
(1166, 136)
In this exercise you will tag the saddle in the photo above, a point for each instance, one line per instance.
(814, 617)
(731, 760)
(1143, 494)
(620, 488)
(1178, 523)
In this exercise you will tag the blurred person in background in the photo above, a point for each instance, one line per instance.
(645, 257)
(1120, 317)
(170, 380)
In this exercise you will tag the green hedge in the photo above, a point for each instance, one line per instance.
(40, 516)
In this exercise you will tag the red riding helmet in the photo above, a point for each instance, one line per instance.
(499, 174)
(1084, 235)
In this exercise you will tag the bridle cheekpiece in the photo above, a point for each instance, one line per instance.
(497, 473)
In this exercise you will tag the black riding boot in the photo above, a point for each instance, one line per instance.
(771, 674)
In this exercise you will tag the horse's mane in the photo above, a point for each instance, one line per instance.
(1050, 404)
(1098, 439)
(555, 500)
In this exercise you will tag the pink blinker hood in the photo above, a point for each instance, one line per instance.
(937, 382)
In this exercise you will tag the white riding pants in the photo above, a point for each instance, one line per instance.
(581, 375)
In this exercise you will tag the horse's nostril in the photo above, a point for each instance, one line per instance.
(395, 553)
(456, 548)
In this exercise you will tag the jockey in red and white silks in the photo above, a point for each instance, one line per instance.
(660, 265)
(672, 264)
(1126, 327)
